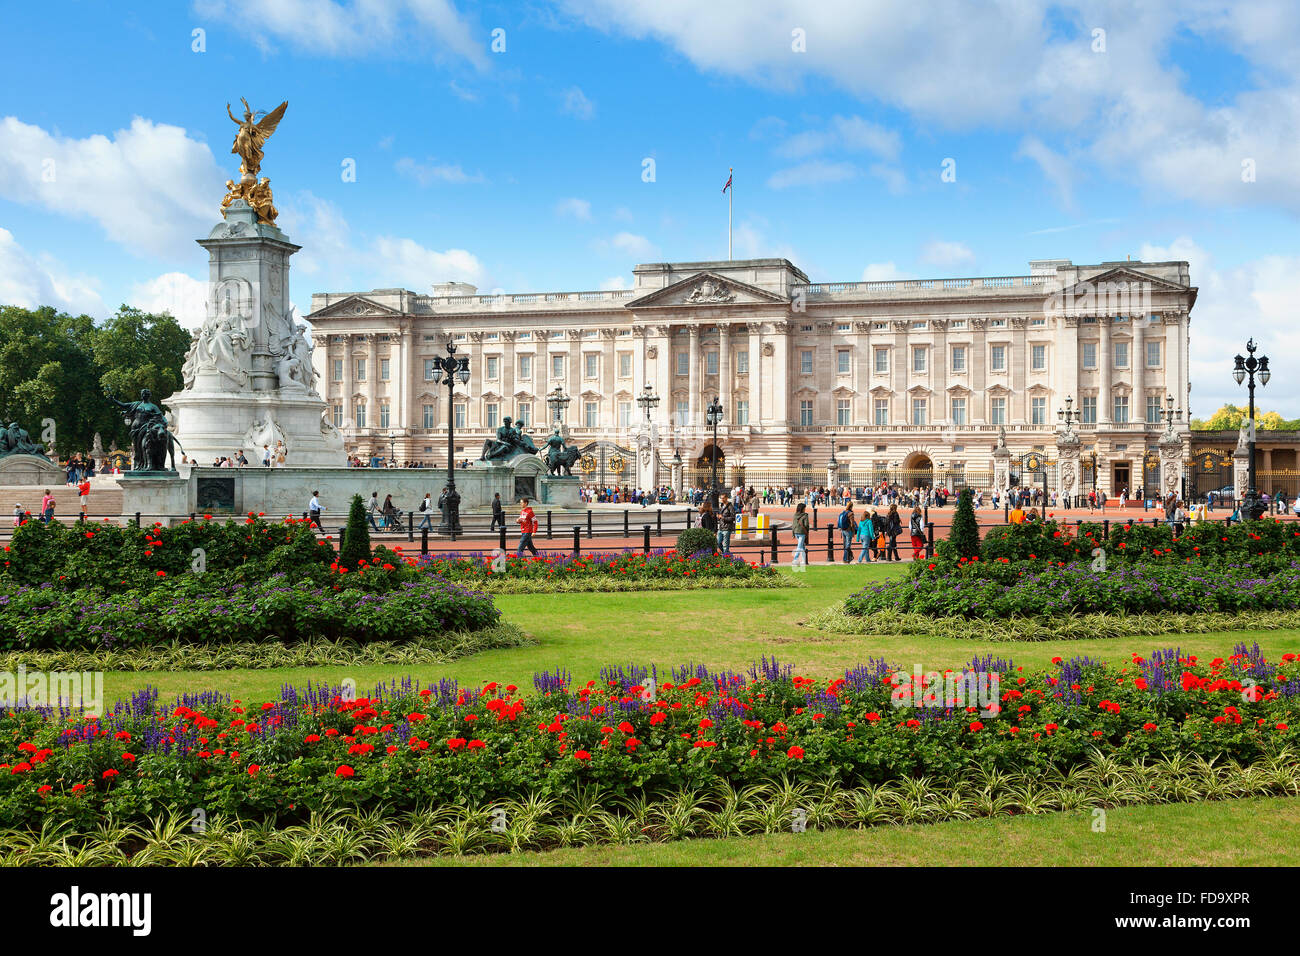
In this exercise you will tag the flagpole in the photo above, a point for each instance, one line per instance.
(731, 201)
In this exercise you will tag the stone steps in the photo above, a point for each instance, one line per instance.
(105, 499)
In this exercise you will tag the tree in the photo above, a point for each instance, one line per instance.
(355, 546)
(965, 534)
(1230, 417)
(54, 366)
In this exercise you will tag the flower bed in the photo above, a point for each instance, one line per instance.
(602, 571)
(406, 747)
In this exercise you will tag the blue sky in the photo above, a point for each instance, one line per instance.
(522, 169)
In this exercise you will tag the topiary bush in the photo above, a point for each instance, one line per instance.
(965, 534)
(694, 540)
(355, 546)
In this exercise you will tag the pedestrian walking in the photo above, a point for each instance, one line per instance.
(426, 509)
(726, 524)
(866, 537)
(314, 510)
(848, 527)
(893, 528)
(498, 513)
(83, 496)
(799, 526)
(916, 528)
(527, 528)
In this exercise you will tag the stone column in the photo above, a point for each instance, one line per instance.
(724, 372)
(755, 373)
(349, 384)
(372, 391)
(781, 376)
(664, 372)
(693, 378)
(1105, 360)
(1137, 364)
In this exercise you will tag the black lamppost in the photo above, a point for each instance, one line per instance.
(648, 401)
(392, 448)
(1245, 368)
(451, 368)
(558, 402)
(713, 416)
(833, 461)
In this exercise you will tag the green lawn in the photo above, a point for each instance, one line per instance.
(1249, 832)
(730, 628)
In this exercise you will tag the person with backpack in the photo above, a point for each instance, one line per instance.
(893, 528)
(866, 537)
(426, 509)
(47, 507)
(527, 528)
(848, 528)
(498, 514)
(374, 508)
(799, 526)
(708, 520)
(916, 527)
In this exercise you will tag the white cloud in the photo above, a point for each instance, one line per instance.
(1255, 299)
(150, 187)
(427, 173)
(1026, 66)
(577, 208)
(630, 244)
(614, 283)
(407, 263)
(815, 172)
(182, 295)
(33, 281)
(1055, 167)
(577, 104)
(352, 29)
(883, 272)
(939, 252)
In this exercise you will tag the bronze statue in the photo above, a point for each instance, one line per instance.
(151, 442)
(509, 442)
(15, 440)
(559, 457)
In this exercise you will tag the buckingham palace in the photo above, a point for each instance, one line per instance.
(910, 380)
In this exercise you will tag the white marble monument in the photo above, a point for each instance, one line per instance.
(248, 376)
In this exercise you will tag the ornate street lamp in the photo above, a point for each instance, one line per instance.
(558, 402)
(1245, 369)
(833, 461)
(713, 416)
(452, 369)
(392, 446)
(648, 401)
(1068, 415)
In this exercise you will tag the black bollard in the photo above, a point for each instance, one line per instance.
(577, 539)
(775, 553)
(424, 540)
(830, 544)
(503, 538)
(646, 538)
(548, 526)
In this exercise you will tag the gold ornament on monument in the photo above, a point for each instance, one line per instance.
(254, 130)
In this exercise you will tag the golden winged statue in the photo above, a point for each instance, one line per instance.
(253, 134)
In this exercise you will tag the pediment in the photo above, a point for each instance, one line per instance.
(351, 307)
(1119, 279)
(707, 290)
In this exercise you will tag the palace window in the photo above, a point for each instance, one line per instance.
(461, 412)
(338, 370)
(918, 358)
(683, 413)
(882, 361)
(492, 414)
(918, 326)
(683, 364)
(805, 361)
(1121, 355)
(1039, 358)
(361, 370)
(959, 411)
(843, 414)
(1038, 411)
(919, 406)
(1088, 410)
(624, 364)
(383, 370)
(959, 358)
(997, 411)
(624, 414)
(591, 364)
(1121, 410)
(742, 362)
(590, 414)
(429, 420)
(998, 358)
(385, 415)
(957, 324)
(805, 412)
(524, 414)
(1153, 355)
(557, 366)
(842, 327)
(1153, 409)
(843, 358)
(360, 412)
(881, 411)
(525, 366)
(493, 369)
(742, 412)
(710, 363)
(428, 369)
(338, 416)
(1089, 354)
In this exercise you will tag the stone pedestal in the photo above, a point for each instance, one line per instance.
(832, 475)
(156, 496)
(1069, 472)
(1240, 472)
(677, 477)
(647, 466)
(1002, 469)
(30, 470)
(559, 491)
(1171, 464)
(248, 376)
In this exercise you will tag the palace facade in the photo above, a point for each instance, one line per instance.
(910, 380)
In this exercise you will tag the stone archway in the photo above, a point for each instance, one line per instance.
(918, 471)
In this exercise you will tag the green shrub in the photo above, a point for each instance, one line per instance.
(965, 533)
(694, 540)
(355, 546)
